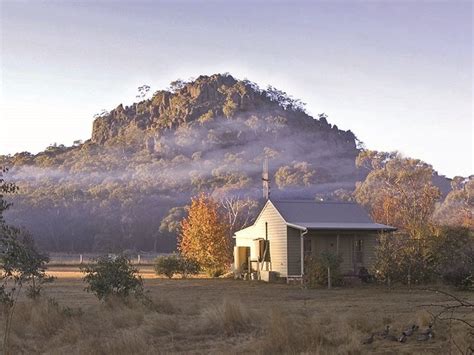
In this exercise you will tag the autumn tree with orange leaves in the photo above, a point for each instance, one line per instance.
(205, 236)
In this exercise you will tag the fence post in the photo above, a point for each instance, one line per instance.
(138, 259)
(80, 258)
(329, 277)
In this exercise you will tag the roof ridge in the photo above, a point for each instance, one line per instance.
(317, 202)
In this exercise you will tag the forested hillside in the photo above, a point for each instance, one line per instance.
(145, 161)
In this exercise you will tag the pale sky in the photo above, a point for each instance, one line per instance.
(396, 73)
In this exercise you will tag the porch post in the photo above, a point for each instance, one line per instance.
(353, 253)
(337, 244)
(302, 253)
(302, 234)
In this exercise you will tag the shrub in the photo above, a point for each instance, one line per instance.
(317, 269)
(175, 264)
(112, 276)
(188, 267)
(20, 264)
(402, 258)
(452, 253)
(460, 277)
(167, 265)
(387, 257)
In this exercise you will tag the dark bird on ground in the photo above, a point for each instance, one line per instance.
(425, 337)
(385, 332)
(369, 340)
(428, 330)
(411, 330)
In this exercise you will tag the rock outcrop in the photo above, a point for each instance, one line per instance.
(193, 102)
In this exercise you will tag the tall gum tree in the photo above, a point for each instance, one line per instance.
(398, 191)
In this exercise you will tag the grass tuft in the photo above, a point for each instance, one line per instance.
(229, 318)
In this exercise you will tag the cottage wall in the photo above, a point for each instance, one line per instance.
(327, 241)
(294, 251)
(370, 244)
(277, 235)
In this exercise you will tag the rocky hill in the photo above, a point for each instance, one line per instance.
(220, 112)
(201, 101)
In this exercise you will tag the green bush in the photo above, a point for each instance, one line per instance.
(112, 276)
(20, 264)
(460, 277)
(316, 270)
(170, 265)
(402, 258)
(167, 265)
(188, 267)
(452, 254)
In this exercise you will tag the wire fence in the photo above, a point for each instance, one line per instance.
(88, 258)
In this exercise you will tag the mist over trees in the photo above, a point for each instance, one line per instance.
(127, 187)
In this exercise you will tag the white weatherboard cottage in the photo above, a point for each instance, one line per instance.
(287, 231)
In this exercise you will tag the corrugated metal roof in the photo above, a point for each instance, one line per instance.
(327, 215)
(345, 226)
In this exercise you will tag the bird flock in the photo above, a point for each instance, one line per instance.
(424, 335)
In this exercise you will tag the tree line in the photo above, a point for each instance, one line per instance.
(435, 237)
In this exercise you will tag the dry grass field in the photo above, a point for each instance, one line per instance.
(228, 316)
